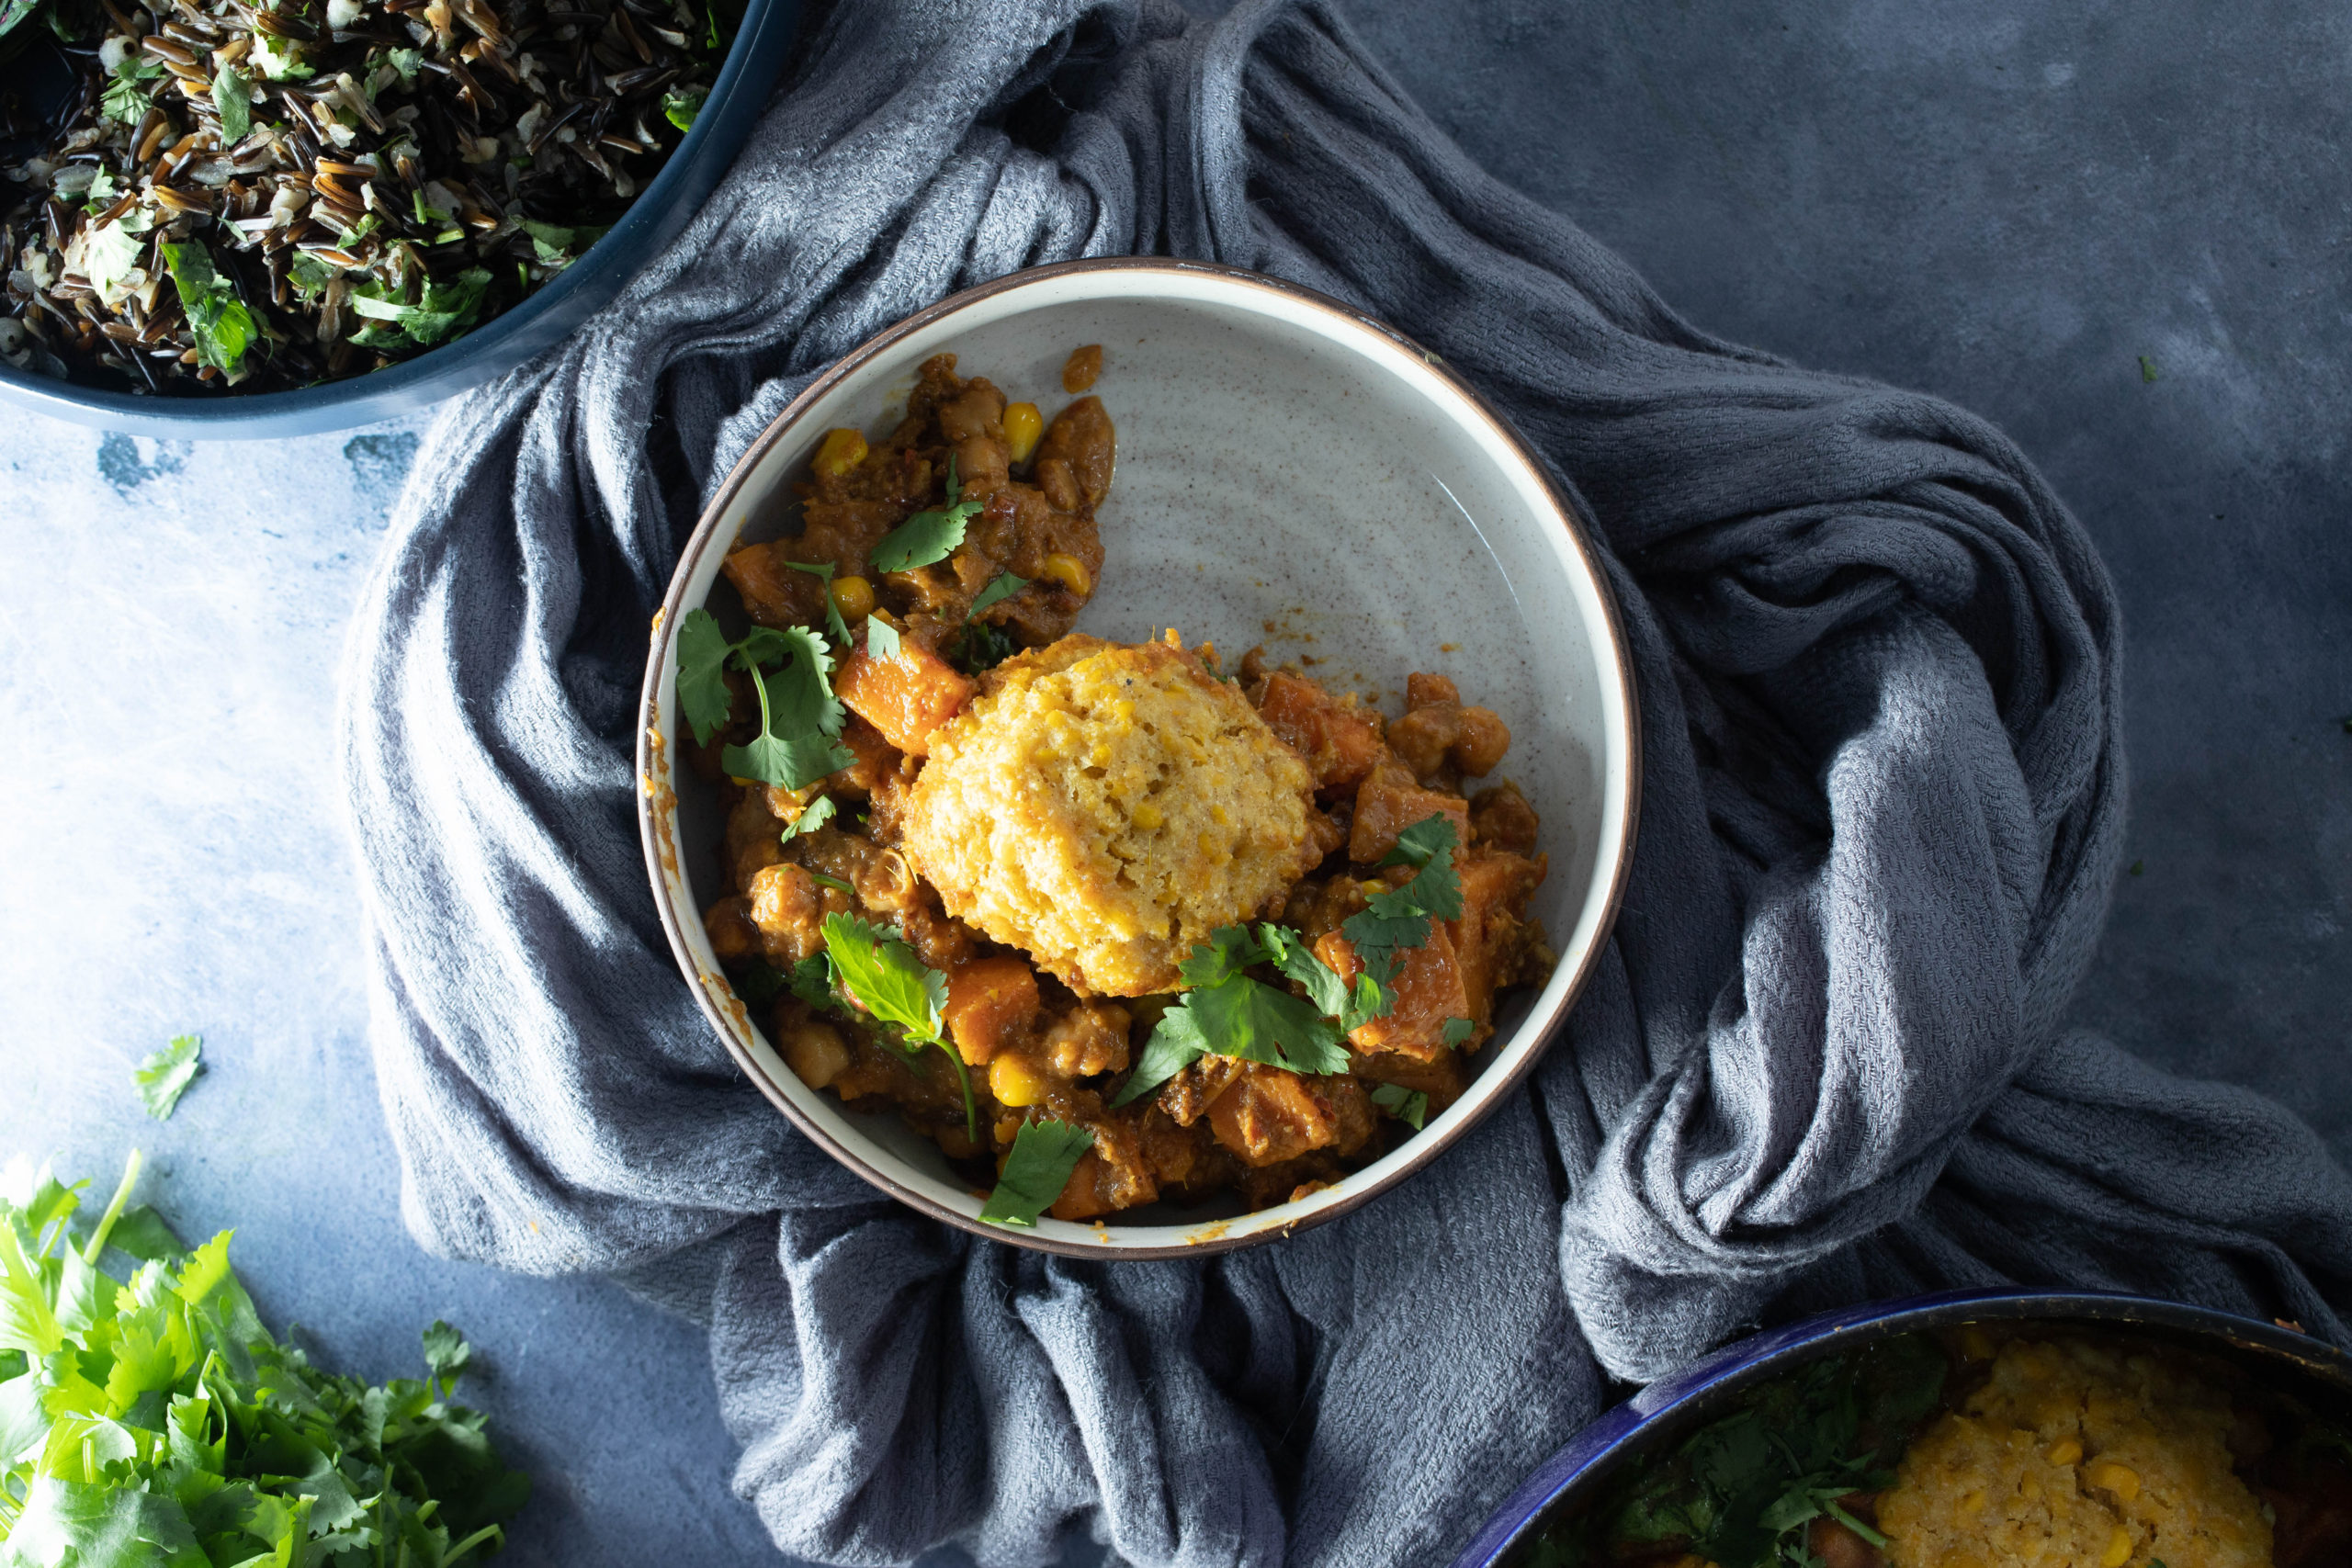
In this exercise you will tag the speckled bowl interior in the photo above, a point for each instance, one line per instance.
(1289, 474)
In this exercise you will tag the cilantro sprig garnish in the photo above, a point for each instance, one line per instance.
(1410, 1106)
(888, 979)
(813, 816)
(800, 719)
(154, 1419)
(1225, 1013)
(926, 536)
(1044, 1152)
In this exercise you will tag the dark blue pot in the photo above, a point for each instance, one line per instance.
(659, 213)
(1672, 1408)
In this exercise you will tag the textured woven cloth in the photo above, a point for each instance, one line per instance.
(1819, 1060)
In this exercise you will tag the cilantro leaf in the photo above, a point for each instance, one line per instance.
(799, 716)
(1459, 1029)
(145, 1235)
(443, 308)
(1399, 917)
(886, 977)
(833, 622)
(407, 62)
(165, 1076)
(1410, 1106)
(883, 974)
(224, 329)
(882, 641)
(1002, 587)
(813, 816)
(109, 253)
(702, 678)
(1044, 1154)
(1228, 952)
(555, 245)
(233, 96)
(980, 646)
(795, 762)
(680, 106)
(446, 1353)
(1176, 1043)
(1419, 843)
(926, 536)
(1257, 1023)
(126, 101)
(1297, 962)
(806, 703)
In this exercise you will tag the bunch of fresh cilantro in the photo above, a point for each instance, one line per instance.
(152, 1422)
(1741, 1491)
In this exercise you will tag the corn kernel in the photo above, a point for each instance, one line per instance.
(2120, 1479)
(1973, 1503)
(1069, 571)
(1147, 816)
(2065, 1451)
(840, 451)
(1975, 1344)
(1023, 425)
(2118, 1548)
(1015, 1082)
(852, 596)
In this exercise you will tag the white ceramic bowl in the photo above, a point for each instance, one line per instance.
(1291, 473)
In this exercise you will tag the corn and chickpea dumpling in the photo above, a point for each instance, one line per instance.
(1104, 807)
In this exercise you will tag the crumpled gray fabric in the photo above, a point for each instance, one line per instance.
(1819, 1058)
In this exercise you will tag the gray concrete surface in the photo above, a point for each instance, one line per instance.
(2012, 204)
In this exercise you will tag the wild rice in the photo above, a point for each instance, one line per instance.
(260, 197)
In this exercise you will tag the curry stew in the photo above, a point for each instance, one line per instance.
(1094, 812)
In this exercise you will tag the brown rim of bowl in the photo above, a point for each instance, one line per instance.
(1425, 1147)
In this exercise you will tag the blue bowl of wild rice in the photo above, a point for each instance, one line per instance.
(235, 219)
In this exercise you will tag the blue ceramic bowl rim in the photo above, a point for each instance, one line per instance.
(657, 216)
(1523, 1514)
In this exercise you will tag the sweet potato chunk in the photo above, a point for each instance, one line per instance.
(1490, 940)
(1425, 991)
(1269, 1115)
(1393, 800)
(1340, 743)
(990, 1001)
(906, 698)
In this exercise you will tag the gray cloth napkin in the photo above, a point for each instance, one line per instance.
(1819, 1061)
